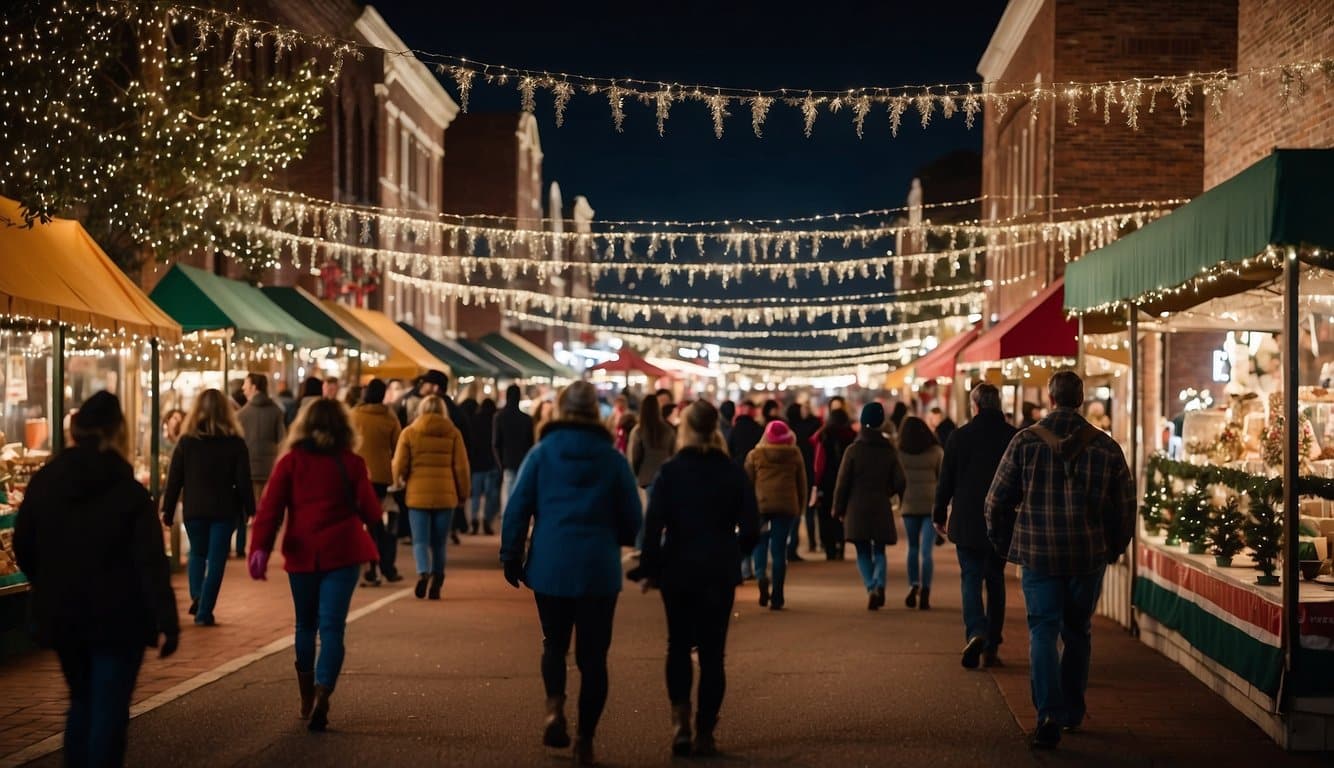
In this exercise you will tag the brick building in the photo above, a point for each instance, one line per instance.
(1032, 167)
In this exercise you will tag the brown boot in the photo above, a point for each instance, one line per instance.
(319, 714)
(556, 730)
(305, 682)
(583, 751)
(681, 729)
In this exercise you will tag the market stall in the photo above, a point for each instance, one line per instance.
(466, 366)
(71, 324)
(347, 353)
(938, 365)
(629, 367)
(406, 358)
(231, 329)
(1232, 562)
(534, 362)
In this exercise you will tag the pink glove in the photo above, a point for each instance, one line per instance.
(259, 563)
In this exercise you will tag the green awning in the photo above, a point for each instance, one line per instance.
(1286, 199)
(460, 361)
(508, 368)
(306, 310)
(202, 301)
(532, 366)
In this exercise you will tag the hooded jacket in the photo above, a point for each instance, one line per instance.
(582, 503)
(511, 434)
(379, 431)
(433, 458)
(921, 472)
(746, 434)
(264, 425)
(868, 478)
(971, 457)
(778, 474)
(88, 539)
(327, 508)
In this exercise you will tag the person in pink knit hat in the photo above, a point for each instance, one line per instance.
(778, 474)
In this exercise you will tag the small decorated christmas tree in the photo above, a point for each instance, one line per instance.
(1193, 519)
(1264, 535)
(1157, 498)
(1225, 531)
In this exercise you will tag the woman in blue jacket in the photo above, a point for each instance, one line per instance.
(582, 502)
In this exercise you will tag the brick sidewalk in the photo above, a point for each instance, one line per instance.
(251, 615)
(1136, 693)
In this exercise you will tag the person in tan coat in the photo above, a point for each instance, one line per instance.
(433, 461)
(778, 473)
(378, 430)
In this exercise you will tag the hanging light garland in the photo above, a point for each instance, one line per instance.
(676, 310)
(710, 335)
(919, 103)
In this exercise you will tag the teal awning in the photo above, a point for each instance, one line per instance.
(306, 310)
(203, 301)
(532, 366)
(1286, 199)
(507, 367)
(460, 361)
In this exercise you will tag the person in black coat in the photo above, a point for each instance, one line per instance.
(88, 539)
(211, 468)
(702, 517)
(746, 433)
(511, 438)
(804, 425)
(485, 469)
(972, 455)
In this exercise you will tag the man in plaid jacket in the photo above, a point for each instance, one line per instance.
(1062, 505)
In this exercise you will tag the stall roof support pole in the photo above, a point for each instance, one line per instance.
(58, 390)
(1136, 438)
(154, 421)
(1291, 458)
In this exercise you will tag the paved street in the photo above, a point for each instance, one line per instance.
(822, 683)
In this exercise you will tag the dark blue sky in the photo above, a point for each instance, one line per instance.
(688, 174)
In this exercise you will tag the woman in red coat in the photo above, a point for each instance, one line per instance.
(326, 493)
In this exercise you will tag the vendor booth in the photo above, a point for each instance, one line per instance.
(467, 367)
(406, 358)
(1231, 569)
(231, 329)
(346, 353)
(71, 324)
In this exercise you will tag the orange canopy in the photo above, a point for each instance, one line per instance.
(406, 359)
(57, 272)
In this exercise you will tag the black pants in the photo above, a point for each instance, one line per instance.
(591, 616)
(831, 529)
(101, 682)
(811, 515)
(698, 619)
(385, 536)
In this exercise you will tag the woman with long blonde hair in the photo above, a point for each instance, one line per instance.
(210, 472)
(432, 460)
(324, 490)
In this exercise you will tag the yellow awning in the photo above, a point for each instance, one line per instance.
(898, 378)
(57, 272)
(406, 357)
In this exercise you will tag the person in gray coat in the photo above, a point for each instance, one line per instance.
(868, 479)
(921, 455)
(263, 423)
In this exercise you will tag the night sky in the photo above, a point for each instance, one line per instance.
(689, 174)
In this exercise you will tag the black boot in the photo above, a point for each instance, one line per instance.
(475, 527)
(705, 746)
(556, 729)
(583, 751)
(423, 581)
(911, 599)
(681, 736)
(488, 530)
(764, 592)
(305, 683)
(437, 581)
(926, 599)
(319, 713)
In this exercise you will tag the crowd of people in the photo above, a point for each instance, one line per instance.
(706, 497)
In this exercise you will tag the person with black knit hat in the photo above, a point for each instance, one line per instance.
(869, 477)
(88, 538)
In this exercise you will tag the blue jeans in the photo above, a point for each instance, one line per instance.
(486, 484)
(429, 529)
(507, 478)
(1060, 606)
(979, 568)
(101, 681)
(921, 543)
(871, 563)
(774, 543)
(321, 599)
(210, 544)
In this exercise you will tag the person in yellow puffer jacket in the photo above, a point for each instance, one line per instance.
(433, 462)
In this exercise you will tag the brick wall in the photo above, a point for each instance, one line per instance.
(1189, 360)
(1256, 122)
